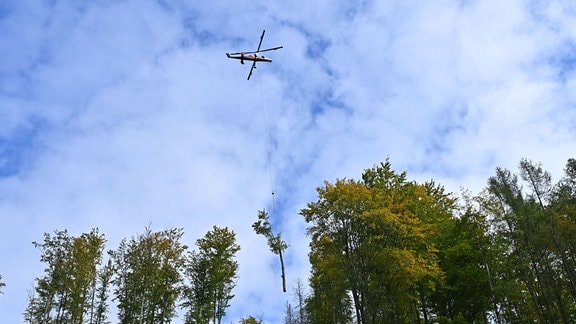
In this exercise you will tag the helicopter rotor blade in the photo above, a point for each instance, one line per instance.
(251, 69)
(264, 50)
(259, 45)
(261, 38)
(271, 49)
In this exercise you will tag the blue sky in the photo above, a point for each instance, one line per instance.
(123, 114)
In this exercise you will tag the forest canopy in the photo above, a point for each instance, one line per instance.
(386, 249)
(382, 249)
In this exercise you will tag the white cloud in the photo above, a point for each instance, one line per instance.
(138, 117)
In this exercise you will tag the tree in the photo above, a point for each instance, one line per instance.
(250, 320)
(99, 313)
(300, 301)
(562, 210)
(64, 294)
(467, 290)
(275, 242)
(148, 276)
(211, 274)
(374, 240)
(297, 314)
(289, 315)
(533, 220)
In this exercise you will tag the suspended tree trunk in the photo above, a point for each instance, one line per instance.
(283, 272)
(275, 242)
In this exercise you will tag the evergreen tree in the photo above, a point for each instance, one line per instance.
(533, 220)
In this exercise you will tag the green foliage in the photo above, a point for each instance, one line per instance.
(263, 227)
(64, 293)
(211, 275)
(465, 291)
(383, 249)
(148, 276)
(250, 320)
(534, 222)
(398, 251)
(374, 240)
(99, 315)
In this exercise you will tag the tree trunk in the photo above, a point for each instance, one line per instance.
(283, 273)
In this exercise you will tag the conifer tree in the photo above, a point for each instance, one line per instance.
(533, 220)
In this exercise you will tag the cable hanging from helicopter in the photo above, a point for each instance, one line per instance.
(263, 226)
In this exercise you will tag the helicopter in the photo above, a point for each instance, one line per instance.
(254, 57)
